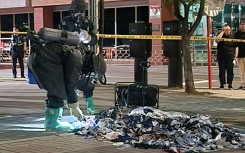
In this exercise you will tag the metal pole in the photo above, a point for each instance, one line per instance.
(239, 9)
(232, 17)
(93, 15)
(209, 53)
(101, 23)
(115, 24)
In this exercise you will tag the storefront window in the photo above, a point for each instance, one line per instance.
(242, 12)
(216, 24)
(109, 26)
(6, 25)
(124, 17)
(65, 13)
(31, 21)
(143, 13)
(22, 21)
(232, 15)
(57, 19)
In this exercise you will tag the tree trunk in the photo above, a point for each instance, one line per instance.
(188, 74)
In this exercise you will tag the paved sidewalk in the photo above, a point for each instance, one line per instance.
(21, 114)
(157, 74)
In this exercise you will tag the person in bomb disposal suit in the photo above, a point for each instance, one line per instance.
(57, 59)
(18, 47)
(74, 23)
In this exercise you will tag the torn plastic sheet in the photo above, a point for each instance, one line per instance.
(89, 121)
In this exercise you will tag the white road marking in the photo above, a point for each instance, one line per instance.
(202, 81)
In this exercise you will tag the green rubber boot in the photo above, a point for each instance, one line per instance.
(90, 106)
(52, 120)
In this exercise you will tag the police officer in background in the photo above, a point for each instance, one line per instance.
(74, 23)
(18, 47)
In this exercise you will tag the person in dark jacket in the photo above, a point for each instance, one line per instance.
(225, 57)
(18, 47)
(240, 53)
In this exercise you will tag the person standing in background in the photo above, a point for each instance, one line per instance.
(225, 57)
(240, 53)
(18, 47)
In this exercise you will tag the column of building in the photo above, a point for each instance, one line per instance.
(43, 17)
(157, 15)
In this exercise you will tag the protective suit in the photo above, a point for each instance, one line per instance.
(74, 23)
(59, 60)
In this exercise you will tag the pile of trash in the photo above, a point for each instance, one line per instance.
(147, 127)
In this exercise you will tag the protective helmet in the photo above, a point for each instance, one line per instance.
(78, 6)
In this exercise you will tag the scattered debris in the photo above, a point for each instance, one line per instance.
(147, 127)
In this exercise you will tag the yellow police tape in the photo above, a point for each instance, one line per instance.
(10, 32)
(166, 37)
(162, 37)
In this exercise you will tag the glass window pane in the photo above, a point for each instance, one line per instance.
(65, 13)
(143, 14)
(109, 26)
(124, 17)
(6, 25)
(227, 8)
(57, 19)
(31, 21)
(22, 21)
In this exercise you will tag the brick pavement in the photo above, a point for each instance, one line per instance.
(63, 143)
(18, 100)
(69, 143)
